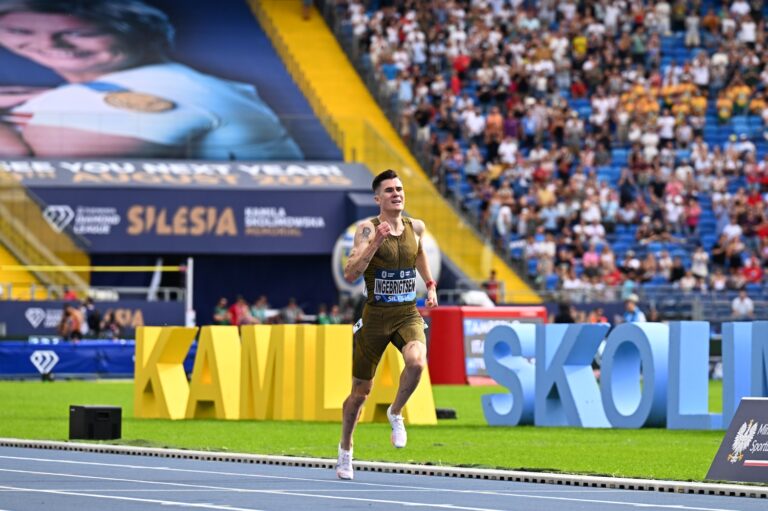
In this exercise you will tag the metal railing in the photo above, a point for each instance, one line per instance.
(38, 292)
(31, 239)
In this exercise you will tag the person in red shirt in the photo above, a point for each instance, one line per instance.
(69, 295)
(692, 214)
(455, 84)
(612, 276)
(240, 313)
(491, 287)
(461, 64)
(752, 271)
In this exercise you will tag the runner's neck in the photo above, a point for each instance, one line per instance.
(395, 221)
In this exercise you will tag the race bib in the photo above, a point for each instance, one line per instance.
(395, 286)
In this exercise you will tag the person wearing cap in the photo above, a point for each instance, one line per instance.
(632, 312)
(122, 93)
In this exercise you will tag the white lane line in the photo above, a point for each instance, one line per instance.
(332, 480)
(321, 490)
(586, 501)
(212, 506)
(476, 492)
(132, 499)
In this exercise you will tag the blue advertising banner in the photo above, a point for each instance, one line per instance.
(43, 317)
(199, 221)
(149, 78)
(85, 359)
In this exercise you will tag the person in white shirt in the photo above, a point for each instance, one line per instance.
(742, 307)
(740, 8)
(733, 230)
(748, 31)
(123, 95)
(474, 122)
(508, 150)
(666, 126)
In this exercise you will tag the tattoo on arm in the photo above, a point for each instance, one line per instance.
(366, 233)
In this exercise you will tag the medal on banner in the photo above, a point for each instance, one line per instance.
(138, 102)
(124, 99)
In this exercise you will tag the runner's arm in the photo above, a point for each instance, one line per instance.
(363, 251)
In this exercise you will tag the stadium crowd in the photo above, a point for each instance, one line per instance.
(610, 145)
(240, 313)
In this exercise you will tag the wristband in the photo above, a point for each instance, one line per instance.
(431, 283)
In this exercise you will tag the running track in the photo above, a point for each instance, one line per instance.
(61, 480)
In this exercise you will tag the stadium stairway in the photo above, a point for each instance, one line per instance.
(17, 285)
(341, 100)
(28, 239)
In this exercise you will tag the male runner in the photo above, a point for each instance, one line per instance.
(388, 251)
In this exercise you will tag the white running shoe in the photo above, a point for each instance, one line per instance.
(399, 436)
(344, 465)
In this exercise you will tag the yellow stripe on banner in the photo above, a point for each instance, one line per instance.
(83, 269)
(346, 108)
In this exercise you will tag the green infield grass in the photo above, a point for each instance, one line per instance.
(37, 410)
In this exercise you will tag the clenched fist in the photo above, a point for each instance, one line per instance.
(382, 232)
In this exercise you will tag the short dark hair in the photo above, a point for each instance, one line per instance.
(133, 21)
(387, 174)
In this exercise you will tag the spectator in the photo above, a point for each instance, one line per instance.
(564, 313)
(336, 317)
(492, 287)
(240, 313)
(69, 326)
(742, 307)
(677, 271)
(687, 283)
(718, 282)
(632, 312)
(259, 310)
(292, 313)
(700, 263)
(92, 317)
(69, 295)
(110, 326)
(752, 270)
(221, 312)
(322, 315)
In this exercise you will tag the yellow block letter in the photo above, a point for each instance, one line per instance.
(334, 370)
(214, 391)
(268, 384)
(420, 408)
(306, 372)
(160, 388)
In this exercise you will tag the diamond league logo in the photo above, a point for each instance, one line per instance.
(35, 316)
(44, 360)
(58, 216)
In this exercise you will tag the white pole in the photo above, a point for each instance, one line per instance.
(190, 311)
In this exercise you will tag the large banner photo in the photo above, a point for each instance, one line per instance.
(148, 79)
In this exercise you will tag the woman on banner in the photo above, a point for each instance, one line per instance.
(123, 96)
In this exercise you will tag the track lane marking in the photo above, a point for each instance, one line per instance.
(273, 492)
(131, 499)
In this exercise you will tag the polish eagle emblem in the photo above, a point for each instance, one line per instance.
(742, 440)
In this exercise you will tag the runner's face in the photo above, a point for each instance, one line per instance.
(61, 42)
(391, 195)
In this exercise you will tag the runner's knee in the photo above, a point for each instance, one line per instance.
(415, 356)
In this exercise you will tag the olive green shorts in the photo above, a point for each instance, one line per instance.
(382, 325)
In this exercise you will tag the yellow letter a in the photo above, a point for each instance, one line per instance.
(214, 391)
